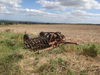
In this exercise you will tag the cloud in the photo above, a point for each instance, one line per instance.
(31, 12)
(3, 10)
(51, 5)
(2, 7)
(74, 16)
(80, 13)
(7, 5)
(11, 9)
(69, 4)
(10, 3)
(81, 4)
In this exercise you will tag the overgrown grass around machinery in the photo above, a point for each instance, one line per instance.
(48, 62)
(91, 50)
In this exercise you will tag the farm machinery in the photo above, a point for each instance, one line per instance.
(45, 40)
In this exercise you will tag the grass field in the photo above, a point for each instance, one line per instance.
(63, 60)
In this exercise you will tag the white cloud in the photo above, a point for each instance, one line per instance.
(80, 4)
(30, 12)
(2, 7)
(75, 15)
(68, 4)
(51, 5)
(7, 5)
(81, 13)
(10, 3)
(3, 10)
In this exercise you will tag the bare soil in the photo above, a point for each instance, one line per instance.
(76, 33)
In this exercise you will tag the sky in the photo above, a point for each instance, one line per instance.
(51, 11)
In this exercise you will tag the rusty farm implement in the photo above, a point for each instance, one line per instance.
(45, 40)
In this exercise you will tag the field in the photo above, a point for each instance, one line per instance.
(76, 33)
(64, 60)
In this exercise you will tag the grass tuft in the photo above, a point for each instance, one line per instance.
(70, 72)
(92, 50)
(83, 72)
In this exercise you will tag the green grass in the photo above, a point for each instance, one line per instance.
(12, 52)
(69, 72)
(83, 72)
(10, 47)
(92, 50)
(54, 67)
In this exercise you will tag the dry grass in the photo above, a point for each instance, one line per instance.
(53, 61)
(50, 64)
(75, 33)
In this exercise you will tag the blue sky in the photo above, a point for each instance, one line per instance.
(31, 4)
(52, 11)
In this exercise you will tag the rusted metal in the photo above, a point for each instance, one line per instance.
(36, 43)
(45, 40)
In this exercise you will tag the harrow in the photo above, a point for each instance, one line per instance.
(45, 40)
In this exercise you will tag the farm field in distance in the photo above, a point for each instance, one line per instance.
(66, 59)
(76, 33)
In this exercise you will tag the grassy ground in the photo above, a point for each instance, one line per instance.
(10, 47)
(63, 60)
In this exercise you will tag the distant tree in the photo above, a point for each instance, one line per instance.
(20, 22)
(47, 23)
(8, 23)
(1, 23)
(26, 22)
